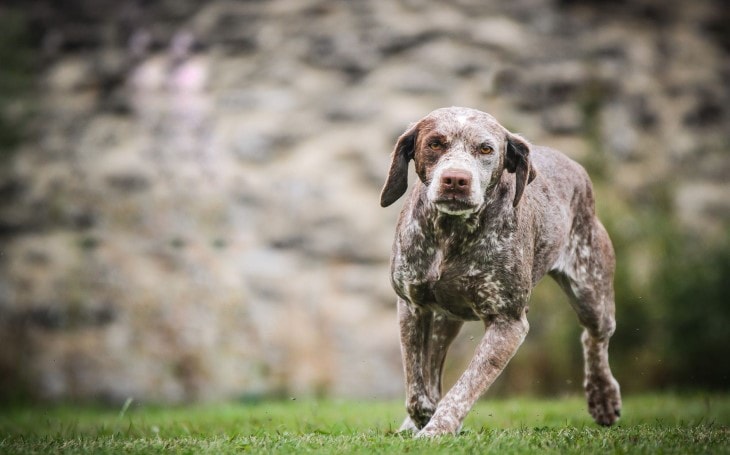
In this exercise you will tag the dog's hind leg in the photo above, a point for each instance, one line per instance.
(587, 278)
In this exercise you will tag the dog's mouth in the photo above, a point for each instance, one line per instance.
(454, 206)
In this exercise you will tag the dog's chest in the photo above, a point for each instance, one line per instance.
(465, 284)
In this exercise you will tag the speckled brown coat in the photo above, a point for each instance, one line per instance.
(489, 216)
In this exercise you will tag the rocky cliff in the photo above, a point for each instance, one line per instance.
(194, 213)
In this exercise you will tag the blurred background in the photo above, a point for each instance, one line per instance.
(189, 189)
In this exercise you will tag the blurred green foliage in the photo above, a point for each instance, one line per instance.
(694, 285)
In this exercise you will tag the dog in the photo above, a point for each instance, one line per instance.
(489, 216)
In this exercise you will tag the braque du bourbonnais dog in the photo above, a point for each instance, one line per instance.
(488, 217)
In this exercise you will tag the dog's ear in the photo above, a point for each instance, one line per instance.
(397, 182)
(517, 161)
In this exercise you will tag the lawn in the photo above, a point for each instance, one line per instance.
(650, 424)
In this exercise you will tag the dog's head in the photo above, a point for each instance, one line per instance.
(459, 154)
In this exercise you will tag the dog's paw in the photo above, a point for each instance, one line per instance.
(420, 409)
(430, 431)
(604, 400)
(434, 429)
(408, 426)
(443, 423)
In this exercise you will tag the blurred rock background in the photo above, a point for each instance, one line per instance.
(189, 189)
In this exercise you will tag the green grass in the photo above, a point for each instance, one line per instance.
(651, 424)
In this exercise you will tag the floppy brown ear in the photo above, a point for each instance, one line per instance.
(517, 161)
(397, 182)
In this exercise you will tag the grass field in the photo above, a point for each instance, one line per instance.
(650, 424)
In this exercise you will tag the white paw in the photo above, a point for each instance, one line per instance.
(433, 429)
(408, 425)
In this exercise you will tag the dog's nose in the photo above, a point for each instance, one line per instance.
(457, 182)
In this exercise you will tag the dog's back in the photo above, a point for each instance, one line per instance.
(559, 204)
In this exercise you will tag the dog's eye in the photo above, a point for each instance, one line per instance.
(435, 145)
(484, 149)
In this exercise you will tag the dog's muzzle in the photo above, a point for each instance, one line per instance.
(454, 192)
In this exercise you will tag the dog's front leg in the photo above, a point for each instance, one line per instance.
(502, 338)
(415, 329)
